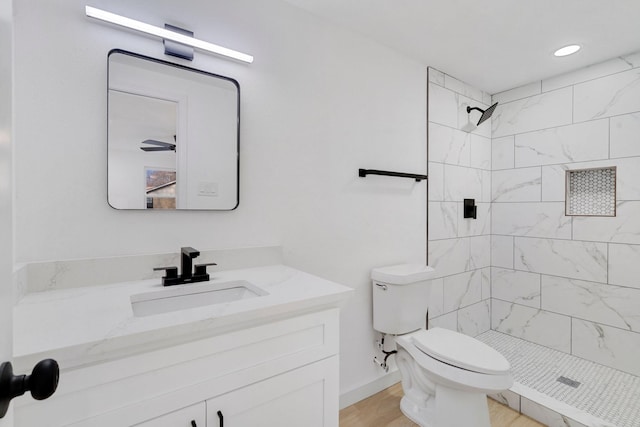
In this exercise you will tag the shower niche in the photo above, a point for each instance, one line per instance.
(591, 192)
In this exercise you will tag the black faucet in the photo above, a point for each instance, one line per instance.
(198, 275)
(188, 253)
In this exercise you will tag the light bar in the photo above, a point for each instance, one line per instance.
(123, 21)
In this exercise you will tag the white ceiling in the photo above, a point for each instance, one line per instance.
(493, 45)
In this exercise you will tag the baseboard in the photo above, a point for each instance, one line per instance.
(362, 392)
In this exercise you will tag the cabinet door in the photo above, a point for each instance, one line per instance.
(191, 416)
(306, 396)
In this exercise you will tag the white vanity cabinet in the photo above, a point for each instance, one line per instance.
(282, 371)
(302, 397)
(191, 416)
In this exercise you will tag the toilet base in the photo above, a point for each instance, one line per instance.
(435, 397)
(451, 408)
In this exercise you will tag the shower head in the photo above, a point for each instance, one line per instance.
(485, 113)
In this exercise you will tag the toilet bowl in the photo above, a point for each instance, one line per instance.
(445, 375)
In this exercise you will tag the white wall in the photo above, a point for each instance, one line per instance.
(6, 202)
(568, 282)
(317, 104)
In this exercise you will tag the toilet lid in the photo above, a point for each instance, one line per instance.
(460, 350)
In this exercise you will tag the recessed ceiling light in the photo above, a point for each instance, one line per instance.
(567, 50)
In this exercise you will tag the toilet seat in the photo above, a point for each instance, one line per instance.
(460, 351)
(451, 375)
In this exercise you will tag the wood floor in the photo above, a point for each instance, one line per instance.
(383, 410)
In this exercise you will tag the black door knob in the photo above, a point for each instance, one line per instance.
(42, 382)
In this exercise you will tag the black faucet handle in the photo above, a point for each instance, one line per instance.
(171, 272)
(201, 269)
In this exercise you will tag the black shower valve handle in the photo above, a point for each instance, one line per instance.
(42, 382)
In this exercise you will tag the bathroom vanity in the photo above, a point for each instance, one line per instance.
(270, 359)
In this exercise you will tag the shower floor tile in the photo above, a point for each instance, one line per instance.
(605, 393)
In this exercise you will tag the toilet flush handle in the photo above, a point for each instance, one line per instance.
(380, 285)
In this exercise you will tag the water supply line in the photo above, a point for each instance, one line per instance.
(383, 363)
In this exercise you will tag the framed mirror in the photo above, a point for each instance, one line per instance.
(173, 136)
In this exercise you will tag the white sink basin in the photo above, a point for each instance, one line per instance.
(183, 297)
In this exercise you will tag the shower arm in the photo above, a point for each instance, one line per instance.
(470, 109)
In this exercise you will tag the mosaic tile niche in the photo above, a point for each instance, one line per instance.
(591, 192)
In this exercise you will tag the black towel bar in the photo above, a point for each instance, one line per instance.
(364, 172)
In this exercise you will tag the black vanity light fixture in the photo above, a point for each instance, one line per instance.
(166, 34)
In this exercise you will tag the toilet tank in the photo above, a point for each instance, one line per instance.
(401, 297)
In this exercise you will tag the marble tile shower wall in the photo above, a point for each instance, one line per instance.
(569, 283)
(459, 168)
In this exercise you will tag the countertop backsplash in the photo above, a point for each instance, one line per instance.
(55, 275)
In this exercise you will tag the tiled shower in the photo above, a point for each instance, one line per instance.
(525, 268)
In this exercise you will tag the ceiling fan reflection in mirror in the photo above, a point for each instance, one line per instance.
(161, 146)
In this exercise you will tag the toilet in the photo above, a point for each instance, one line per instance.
(446, 375)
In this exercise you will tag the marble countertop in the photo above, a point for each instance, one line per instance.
(87, 325)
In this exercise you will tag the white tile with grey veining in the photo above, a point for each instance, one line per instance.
(572, 143)
(486, 283)
(436, 76)
(633, 59)
(516, 185)
(436, 181)
(463, 88)
(480, 251)
(516, 286)
(553, 183)
(443, 220)
(436, 298)
(446, 321)
(519, 92)
(502, 251)
(537, 112)
(475, 319)
(598, 302)
(486, 185)
(531, 219)
(606, 345)
(480, 152)
(462, 183)
(461, 290)
(541, 327)
(625, 135)
(474, 227)
(502, 153)
(591, 72)
(449, 145)
(608, 96)
(547, 416)
(622, 228)
(449, 256)
(627, 178)
(624, 265)
(443, 106)
(565, 258)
